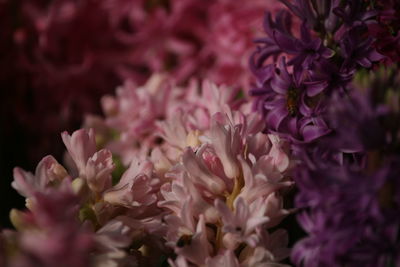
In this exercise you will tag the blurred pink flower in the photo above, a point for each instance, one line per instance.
(51, 231)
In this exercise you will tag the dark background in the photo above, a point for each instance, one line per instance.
(11, 154)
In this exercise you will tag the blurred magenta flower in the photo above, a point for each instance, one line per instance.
(63, 55)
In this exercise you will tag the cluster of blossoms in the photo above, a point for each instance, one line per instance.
(349, 186)
(182, 172)
(208, 191)
(55, 48)
(330, 44)
(344, 134)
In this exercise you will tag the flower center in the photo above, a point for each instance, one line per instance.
(184, 240)
(292, 99)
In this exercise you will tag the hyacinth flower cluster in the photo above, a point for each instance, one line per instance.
(349, 186)
(182, 172)
(344, 134)
(299, 65)
(131, 132)
(55, 48)
(208, 192)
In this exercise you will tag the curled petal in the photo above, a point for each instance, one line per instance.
(224, 142)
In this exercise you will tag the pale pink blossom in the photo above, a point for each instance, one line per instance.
(129, 128)
(136, 187)
(52, 232)
(175, 196)
(94, 167)
(200, 174)
(174, 130)
(81, 145)
(118, 234)
(270, 250)
(206, 182)
(183, 222)
(276, 243)
(161, 163)
(98, 171)
(261, 180)
(279, 156)
(196, 248)
(240, 224)
(48, 171)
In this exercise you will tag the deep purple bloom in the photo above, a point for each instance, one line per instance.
(306, 49)
(322, 61)
(281, 40)
(284, 101)
(358, 50)
(267, 45)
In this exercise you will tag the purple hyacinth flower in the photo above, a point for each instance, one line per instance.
(357, 50)
(283, 101)
(305, 50)
(268, 46)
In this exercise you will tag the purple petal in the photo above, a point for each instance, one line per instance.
(314, 44)
(285, 42)
(364, 62)
(268, 24)
(311, 132)
(314, 88)
(327, 53)
(305, 33)
(278, 102)
(292, 7)
(375, 56)
(283, 69)
(283, 21)
(292, 125)
(276, 116)
(280, 85)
